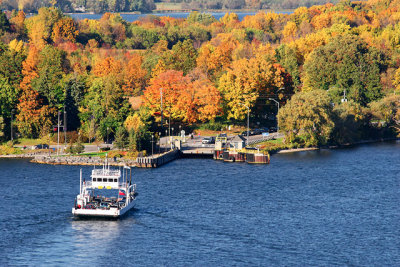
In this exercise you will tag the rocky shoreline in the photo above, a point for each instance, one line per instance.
(82, 160)
(146, 161)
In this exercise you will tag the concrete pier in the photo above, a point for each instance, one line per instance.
(157, 160)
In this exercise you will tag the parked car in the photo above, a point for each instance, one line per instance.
(272, 129)
(256, 131)
(208, 140)
(40, 146)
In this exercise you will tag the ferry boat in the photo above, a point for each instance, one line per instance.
(107, 181)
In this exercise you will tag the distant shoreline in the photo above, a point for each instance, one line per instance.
(209, 11)
(282, 151)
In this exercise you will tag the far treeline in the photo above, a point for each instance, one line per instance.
(102, 6)
(333, 69)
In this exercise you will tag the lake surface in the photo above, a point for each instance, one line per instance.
(133, 17)
(320, 208)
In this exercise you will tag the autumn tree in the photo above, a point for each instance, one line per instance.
(188, 99)
(108, 66)
(387, 109)
(351, 123)
(134, 76)
(18, 23)
(33, 116)
(64, 30)
(1, 128)
(200, 100)
(121, 138)
(182, 57)
(104, 105)
(247, 80)
(51, 69)
(134, 122)
(307, 118)
(287, 56)
(10, 78)
(169, 84)
(40, 27)
(346, 63)
(216, 55)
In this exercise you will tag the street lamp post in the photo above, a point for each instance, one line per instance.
(277, 125)
(161, 100)
(65, 128)
(152, 145)
(159, 143)
(166, 139)
(108, 128)
(248, 122)
(58, 132)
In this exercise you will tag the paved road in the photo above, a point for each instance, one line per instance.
(197, 140)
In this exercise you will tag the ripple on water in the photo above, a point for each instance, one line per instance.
(328, 207)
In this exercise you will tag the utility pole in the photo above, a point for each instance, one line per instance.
(58, 132)
(344, 99)
(161, 96)
(152, 145)
(108, 128)
(248, 122)
(65, 127)
(159, 143)
(277, 125)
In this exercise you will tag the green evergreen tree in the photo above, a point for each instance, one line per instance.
(121, 138)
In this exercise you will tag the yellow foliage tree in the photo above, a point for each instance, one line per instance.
(133, 122)
(246, 81)
(289, 32)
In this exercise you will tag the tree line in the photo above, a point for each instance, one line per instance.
(32, 6)
(334, 70)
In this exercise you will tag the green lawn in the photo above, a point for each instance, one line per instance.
(271, 145)
(94, 154)
(28, 142)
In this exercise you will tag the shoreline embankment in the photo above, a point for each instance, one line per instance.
(146, 162)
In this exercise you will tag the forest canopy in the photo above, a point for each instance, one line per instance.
(334, 70)
(151, 5)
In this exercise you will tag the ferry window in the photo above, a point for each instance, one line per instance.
(115, 180)
(110, 180)
(104, 179)
(94, 179)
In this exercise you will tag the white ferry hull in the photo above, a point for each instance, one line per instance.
(99, 213)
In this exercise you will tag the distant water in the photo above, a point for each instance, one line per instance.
(134, 17)
(320, 208)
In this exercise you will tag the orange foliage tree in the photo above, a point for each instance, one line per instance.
(107, 66)
(64, 30)
(183, 98)
(33, 117)
(135, 75)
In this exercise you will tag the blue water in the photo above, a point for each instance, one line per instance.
(321, 208)
(184, 15)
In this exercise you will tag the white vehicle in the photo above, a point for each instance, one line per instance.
(108, 181)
